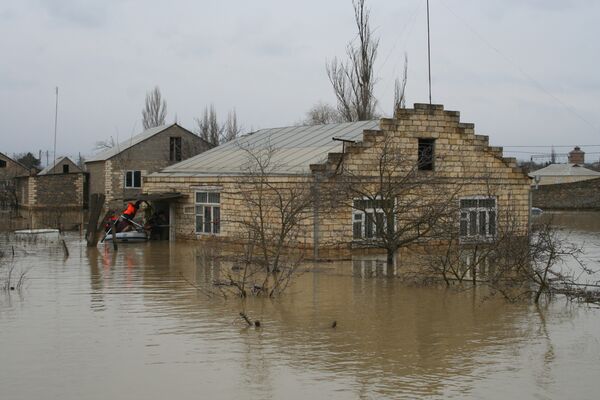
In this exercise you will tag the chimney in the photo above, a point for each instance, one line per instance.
(576, 156)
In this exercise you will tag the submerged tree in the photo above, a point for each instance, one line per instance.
(271, 218)
(397, 201)
(155, 109)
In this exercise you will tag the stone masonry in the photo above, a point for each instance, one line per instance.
(460, 156)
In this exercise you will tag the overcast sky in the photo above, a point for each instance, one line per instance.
(524, 71)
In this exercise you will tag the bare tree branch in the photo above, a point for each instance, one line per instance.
(155, 110)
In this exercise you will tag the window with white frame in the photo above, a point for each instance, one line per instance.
(368, 219)
(208, 212)
(478, 218)
(133, 179)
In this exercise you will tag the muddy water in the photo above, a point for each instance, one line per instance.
(131, 325)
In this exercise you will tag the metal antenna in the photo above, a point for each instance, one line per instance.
(428, 51)
(55, 124)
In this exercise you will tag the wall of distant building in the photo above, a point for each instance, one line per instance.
(583, 195)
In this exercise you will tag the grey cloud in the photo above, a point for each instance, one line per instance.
(83, 13)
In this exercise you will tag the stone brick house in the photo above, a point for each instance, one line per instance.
(211, 185)
(119, 172)
(56, 197)
(9, 171)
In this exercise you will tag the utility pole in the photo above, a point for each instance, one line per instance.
(428, 51)
(55, 123)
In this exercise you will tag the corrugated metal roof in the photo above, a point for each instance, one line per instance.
(564, 170)
(294, 149)
(124, 145)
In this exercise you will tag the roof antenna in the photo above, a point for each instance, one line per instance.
(428, 52)
(55, 124)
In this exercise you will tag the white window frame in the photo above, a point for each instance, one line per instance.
(471, 217)
(132, 186)
(368, 231)
(207, 206)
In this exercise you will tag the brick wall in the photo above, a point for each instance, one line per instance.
(461, 158)
(583, 195)
(149, 156)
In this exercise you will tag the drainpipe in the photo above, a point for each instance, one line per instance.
(316, 196)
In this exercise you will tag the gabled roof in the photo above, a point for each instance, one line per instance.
(59, 160)
(125, 144)
(294, 149)
(564, 170)
(16, 162)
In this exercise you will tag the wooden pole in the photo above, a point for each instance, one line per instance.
(114, 234)
(97, 202)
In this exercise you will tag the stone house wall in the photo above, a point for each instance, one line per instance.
(461, 158)
(583, 195)
(148, 156)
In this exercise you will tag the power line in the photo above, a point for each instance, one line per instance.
(518, 68)
(550, 146)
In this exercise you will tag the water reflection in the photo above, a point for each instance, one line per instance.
(141, 323)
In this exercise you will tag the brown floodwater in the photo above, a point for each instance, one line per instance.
(139, 324)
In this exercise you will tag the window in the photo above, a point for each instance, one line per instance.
(426, 154)
(133, 179)
(478, 218)
(208, 212)
(368, 219)
(2, 164)
(175, 148)
(65, 168)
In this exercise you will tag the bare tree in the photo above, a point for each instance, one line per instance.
(155, 110)
(231, 129)
(209, 129)
(272, 221)
(400, 87)
(105, 144)
(322, 113)
(396, 205)
(354, 80)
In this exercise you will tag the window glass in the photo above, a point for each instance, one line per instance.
(477, 218)
(426, 154)
(368, 218)
(208, 212)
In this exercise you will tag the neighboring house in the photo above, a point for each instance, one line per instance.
(119, 172)
(9, 171)
(571, 172)
(55, 197)
(62, 165)
(555, 174)
(206, 188)
(567, 186)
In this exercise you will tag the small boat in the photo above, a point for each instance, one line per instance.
(48, 235)
(129, 236)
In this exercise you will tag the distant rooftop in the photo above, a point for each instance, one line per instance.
(49, 168)
(564, 170)
(125, 144)
(294, 149)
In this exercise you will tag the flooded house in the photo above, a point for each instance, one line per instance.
(118, 172)
(55, 197)
(211, 191)
(10, 170)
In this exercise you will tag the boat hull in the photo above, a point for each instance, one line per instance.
(131, 236)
